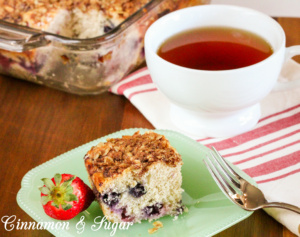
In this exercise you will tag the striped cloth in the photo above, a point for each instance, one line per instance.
(269, 153)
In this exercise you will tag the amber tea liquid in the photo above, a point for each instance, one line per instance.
(215, 48)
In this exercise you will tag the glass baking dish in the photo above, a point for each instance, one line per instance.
(81, 66)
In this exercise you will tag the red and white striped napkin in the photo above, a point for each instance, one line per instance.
(269, 153)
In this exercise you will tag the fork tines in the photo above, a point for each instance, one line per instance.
(226, 178)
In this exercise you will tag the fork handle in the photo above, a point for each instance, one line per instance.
(283, 205)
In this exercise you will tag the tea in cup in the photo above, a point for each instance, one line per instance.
(215, 63)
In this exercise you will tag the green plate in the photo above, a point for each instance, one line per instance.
(209, 209)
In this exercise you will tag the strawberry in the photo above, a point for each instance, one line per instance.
(65, 196)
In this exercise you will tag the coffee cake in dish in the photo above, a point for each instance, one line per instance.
(136, 177)
(82, 47)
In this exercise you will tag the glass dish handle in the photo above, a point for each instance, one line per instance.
(20, 38)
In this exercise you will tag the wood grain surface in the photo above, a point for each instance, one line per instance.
(38, 123)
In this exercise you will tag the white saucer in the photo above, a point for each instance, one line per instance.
(205, 124)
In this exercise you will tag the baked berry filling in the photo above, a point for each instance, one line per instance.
(153, 210)
(137, 191)
(125, 217)
(111, 199)
(180, 210)
(5, 62)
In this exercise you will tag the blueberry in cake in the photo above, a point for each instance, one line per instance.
(136, 177)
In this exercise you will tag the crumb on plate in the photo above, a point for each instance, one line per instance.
(157, 225)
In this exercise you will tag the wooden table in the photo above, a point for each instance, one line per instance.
(38, 124)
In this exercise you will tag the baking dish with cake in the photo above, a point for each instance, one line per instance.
(81, 47)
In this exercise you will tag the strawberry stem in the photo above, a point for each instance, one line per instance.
(60, 193)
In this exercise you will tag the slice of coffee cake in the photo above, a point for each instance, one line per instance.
(136, 177)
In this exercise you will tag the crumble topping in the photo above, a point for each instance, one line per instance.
(136, 151)
(39, 14)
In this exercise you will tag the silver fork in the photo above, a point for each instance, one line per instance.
(237, 189)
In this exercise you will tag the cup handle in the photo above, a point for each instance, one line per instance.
(293, 79)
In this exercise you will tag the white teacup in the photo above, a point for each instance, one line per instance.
(216, 103)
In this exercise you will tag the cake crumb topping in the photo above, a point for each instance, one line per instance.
(137, 152)
(39, 14)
